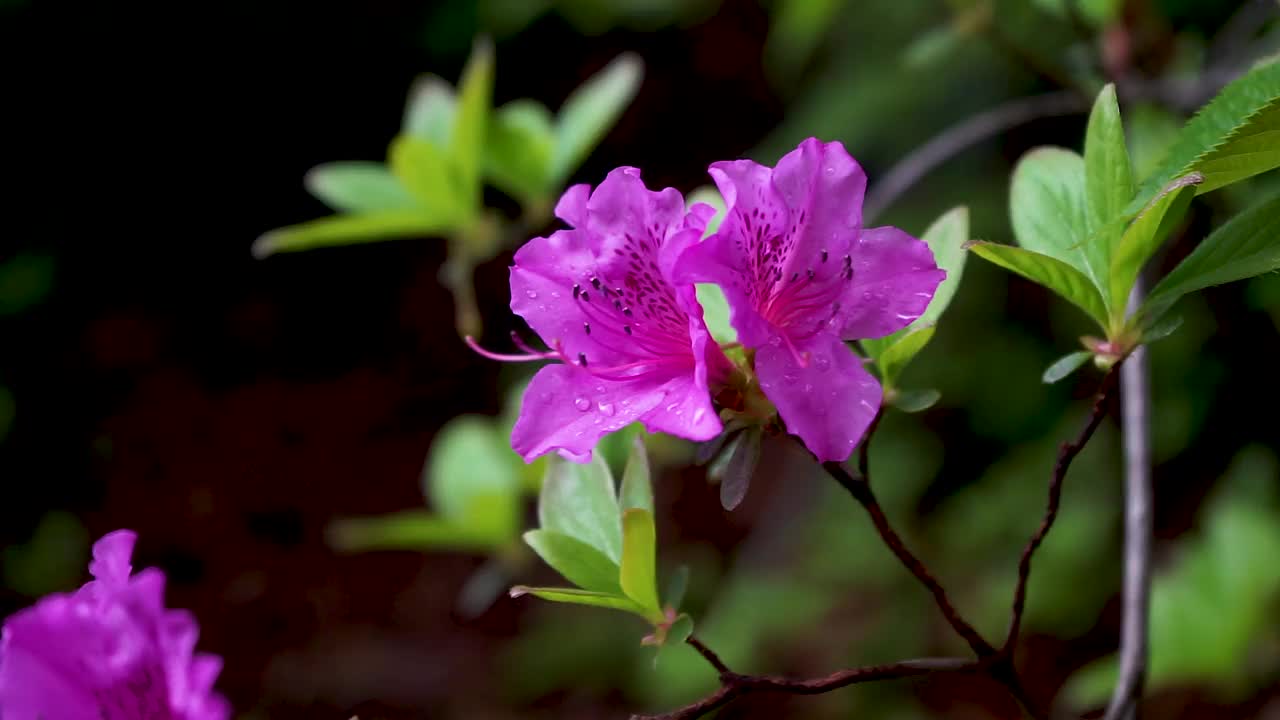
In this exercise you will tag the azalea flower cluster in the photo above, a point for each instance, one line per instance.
(109, 651)
(614, 298)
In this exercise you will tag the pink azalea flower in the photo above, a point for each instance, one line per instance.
(802, 276)
(632, 344)
(109, 651)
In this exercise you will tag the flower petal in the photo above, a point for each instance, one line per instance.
(111, 557)
(894, 278)
(572, 207)
(828, 402)
(823, 186)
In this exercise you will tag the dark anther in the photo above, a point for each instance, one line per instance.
(582, 359)
(595, 283)
(626, 329)
(626, 311)
(795, 276)
(586, 328)
(824, 256)
(809, 272)
(577, 290)
(585, 296)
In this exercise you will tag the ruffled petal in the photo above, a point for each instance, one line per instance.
(567, 409)
(572, 207)
(112, 555)
(894, 278)
(718, 260)
(823, 187)
(829, 402)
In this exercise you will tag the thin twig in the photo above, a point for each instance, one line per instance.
(734, 686)
(860, 488)
(709, 655)
(1066, 454)
(1135, 386)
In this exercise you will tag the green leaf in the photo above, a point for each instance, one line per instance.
(1151, 131)
(1162, 329)
(1247, 245)
(471, 124)
(946, 238)
(715, 311)
(894, 358)
(1048, 207)
(518, 150)
(735, 466)
(1108, 179)
(639, 559)
(708, 195)
(1065, 365)
(1243, 113)
(677, 585)
(424, 171)
(591, 110)
(469, 459)
(581, 597)
(413, 530)
(914, 401)
(577, 561)
(637, 483)
(358, 187)
(350, 230)
(1056, 275)
(579, 501)
(1148, 232)
(429, 112)
(668, 637)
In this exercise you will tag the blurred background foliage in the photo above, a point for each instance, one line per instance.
(257, 421)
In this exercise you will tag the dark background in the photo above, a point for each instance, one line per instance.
(227, 408)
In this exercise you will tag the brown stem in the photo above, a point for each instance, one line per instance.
(1066, 454)
(733, 686)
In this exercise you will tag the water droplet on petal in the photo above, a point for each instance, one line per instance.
(530, 294)
(831, 171)
(699, 414)
(582, 403)
(607, 408)
(775, 341)
(823, 363)
(672, 407)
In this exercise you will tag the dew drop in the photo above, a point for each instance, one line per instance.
(530, 294)
(607, 408)
(775, 341)
(831, 171)
(823, 363)
(582, 404)
(699, 414)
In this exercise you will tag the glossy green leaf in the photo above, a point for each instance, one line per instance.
(576, 561)
(1108, 179)
(1049, 210)
(1065, 365)
(350, 230)
(578, 499)
(637, 482)
(914, 401)
(715, 311)
(471, 124)
(429, 112)
(425, 172)
(470, 459)
(639, 559)
(518, 150)
(1147, 233)
(414, 530)
(581, 597)
(358, 187)
(1246, 245)
(591, 110)
(1053, 274)
(1243, 113)
(894, 358)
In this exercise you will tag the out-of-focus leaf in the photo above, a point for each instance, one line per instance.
(429, 113)
(577, 561)
(708, 195)
(796, 29)
(52, 560)
(672, 636)
(1246, 245)
(350, 230)
(469, 460)
(1054, 274)
(735, 466)
(424, 170)
(1151, 131)
(1049, 209)
(25, 281)
(715, 311)
(1147, 233)
(579, 500)
(930, 46)
(677, 585)
(580, 597)
(358, 187)
(1097, 12)
(639, 560)
(417, 530)
(1231, 133)
(914, 401)
(518, 150)
(471, 125)
(591, 110)
(1162, 329)
(637, 482)
(1065, 365)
